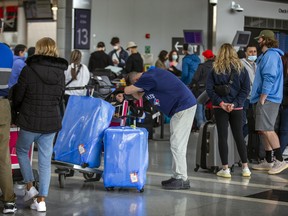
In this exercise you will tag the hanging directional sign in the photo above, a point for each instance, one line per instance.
(177, 44)
(82, 29)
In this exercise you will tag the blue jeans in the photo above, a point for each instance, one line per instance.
(200, 115)
(45, 149)
(283, 128)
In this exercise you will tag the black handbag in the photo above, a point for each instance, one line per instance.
(224, 90)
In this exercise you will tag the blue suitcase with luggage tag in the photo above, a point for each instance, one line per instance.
(125, 157)
(80, 140)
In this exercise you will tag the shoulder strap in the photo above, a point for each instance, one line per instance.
(231, 77)
(72, 77)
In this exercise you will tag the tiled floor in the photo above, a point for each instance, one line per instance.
(208, 195)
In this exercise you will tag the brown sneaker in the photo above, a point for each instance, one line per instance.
(263, 166)
(278, 167)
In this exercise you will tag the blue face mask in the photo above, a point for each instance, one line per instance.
(252, 58)
(26, 55)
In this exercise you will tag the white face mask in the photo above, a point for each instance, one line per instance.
(115, 47)
(252, 58)
(174, 57)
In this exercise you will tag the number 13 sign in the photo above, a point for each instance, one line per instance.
(82, 29)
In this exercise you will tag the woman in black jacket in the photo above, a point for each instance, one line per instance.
(37, 95)
(228, 108)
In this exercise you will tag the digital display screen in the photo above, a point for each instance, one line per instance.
(37, 10)
(194, 37)
(241, 38)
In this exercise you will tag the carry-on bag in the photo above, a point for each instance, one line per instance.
(207, 153)
(125, 157)
(80, 139)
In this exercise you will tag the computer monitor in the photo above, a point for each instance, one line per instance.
(241, 38)
(194, 37)
(37, 9)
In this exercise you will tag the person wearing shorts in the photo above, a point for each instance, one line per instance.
(267, 92)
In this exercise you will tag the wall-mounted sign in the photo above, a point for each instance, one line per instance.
(82, 29)
(9, 16)
(177, 44)
(283, 10)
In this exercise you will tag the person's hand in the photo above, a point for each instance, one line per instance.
(262, 99)
(115, 61)
(224, 106)
(230, 107)
(120, 97)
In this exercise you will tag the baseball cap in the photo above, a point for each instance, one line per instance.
(208, 54)
(266, 34)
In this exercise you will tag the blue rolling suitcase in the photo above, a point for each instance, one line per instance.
(125, 157)
(80, 140)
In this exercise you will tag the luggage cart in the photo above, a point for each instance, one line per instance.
(64, 169)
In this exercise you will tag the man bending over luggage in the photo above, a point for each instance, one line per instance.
(174, 99)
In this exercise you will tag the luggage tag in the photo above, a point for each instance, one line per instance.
(134, 177)
(81, 149)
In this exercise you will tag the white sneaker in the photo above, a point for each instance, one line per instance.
(278, 167)
(285, 153)
(30, 194)
(224, 173)
(263, 166)
(246, 172)
(40, 207)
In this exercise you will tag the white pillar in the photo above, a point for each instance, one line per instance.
(21, 27)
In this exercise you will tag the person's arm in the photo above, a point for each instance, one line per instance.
(91, 63)
(134, 91)
(269, 74)
(245, 88)
(210, 89)
(86, 72)
(20, 89)
(128, 66)
(184, 74)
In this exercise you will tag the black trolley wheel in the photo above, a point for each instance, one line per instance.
(61, 178)
(88, 175)
(109, 188)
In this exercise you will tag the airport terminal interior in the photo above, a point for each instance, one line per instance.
(261, 194)
(212, 23)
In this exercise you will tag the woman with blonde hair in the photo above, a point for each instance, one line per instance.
(76, 75)
(228, 86)
(37, 96)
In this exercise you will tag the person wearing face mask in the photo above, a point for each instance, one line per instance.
(190, 64)
(267, 94)
(134, 61)
(99, 59)
(118, 55)
(174, 66)
(161, 61)
(250, 65)
(20, 55)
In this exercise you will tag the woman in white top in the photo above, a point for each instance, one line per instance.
(77, 75)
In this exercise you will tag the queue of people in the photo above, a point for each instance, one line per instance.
(39, 83)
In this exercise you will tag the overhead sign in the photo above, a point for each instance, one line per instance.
(82, 29)
(177, 44)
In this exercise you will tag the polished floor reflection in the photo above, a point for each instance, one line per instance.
(208, 195)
